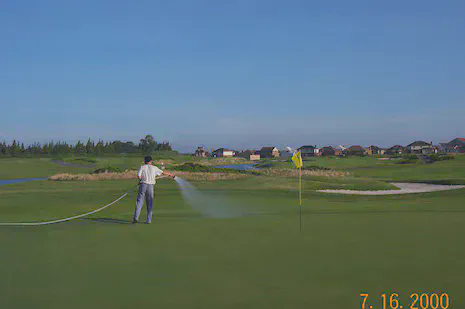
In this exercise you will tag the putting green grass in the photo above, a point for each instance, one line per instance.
(349, 245)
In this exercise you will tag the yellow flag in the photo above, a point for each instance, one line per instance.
(297, 159)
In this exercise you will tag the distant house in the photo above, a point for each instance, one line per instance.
(457, 145)
(307, 151)
(373, 150)
(396, 149)
(442, 147)
(254, 156)
(355, 151)
(339, 150)
(223, 152)
(251, 155)
(420, 147)
(326, 151)
(201, 152)
(269, 152)
(286, 153)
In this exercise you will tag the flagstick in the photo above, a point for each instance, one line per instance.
(300, 197)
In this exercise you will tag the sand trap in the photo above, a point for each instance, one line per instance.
(404, 188)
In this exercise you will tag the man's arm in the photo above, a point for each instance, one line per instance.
(168, 174)
(139, 174)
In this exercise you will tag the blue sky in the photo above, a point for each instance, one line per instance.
(238, 74)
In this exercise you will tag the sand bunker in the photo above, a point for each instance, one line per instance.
(404, 188)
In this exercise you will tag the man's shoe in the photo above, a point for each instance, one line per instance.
(134, 221)
(148, 222)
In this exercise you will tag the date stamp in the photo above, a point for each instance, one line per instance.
(413, 301)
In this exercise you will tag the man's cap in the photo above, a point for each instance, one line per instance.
(147, 159)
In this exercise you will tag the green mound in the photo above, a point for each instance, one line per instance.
(108, 169)
(316, 168)
(193, 167)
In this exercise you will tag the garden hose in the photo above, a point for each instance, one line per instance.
(73, 217)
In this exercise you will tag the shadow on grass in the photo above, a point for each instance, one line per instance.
(142, 219)
(109, 220)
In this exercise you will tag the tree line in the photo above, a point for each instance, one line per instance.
(145, 145)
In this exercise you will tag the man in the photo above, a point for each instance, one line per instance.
(147, 174)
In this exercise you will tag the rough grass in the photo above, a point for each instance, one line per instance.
(221, 161)
(93, 177)
(191, 176)
(80, 160)
(193, 167)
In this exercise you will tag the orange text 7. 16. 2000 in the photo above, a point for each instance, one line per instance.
(415, 301)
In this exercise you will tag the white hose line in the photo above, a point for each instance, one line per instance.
(65, 219)
(70, 218)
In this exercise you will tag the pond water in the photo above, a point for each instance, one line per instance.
(240, 167)
(18, 180)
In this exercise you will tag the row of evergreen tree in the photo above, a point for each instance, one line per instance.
(145, 145)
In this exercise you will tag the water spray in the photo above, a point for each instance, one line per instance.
(207, 205)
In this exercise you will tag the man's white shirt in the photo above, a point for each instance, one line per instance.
(147, 174)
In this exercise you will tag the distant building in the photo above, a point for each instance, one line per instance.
(286, 153)
(457, 145)
(442, 147)
(201, 152)
(223, 152)
(251, 155)
(254, 156)
(373, 150)
(396, 149)
(339, 150)
(307, 151)
(355, 151)
(326, 151)
(269, 152)
(420, 147)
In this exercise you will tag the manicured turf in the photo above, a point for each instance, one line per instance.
(348, 245)
(27, 168)
(453, 170)
(371, 167)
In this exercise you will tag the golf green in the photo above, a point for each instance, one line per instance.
(349, 245)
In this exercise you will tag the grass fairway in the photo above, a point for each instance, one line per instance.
(349, 245)
(370, 167)
(28, 168)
